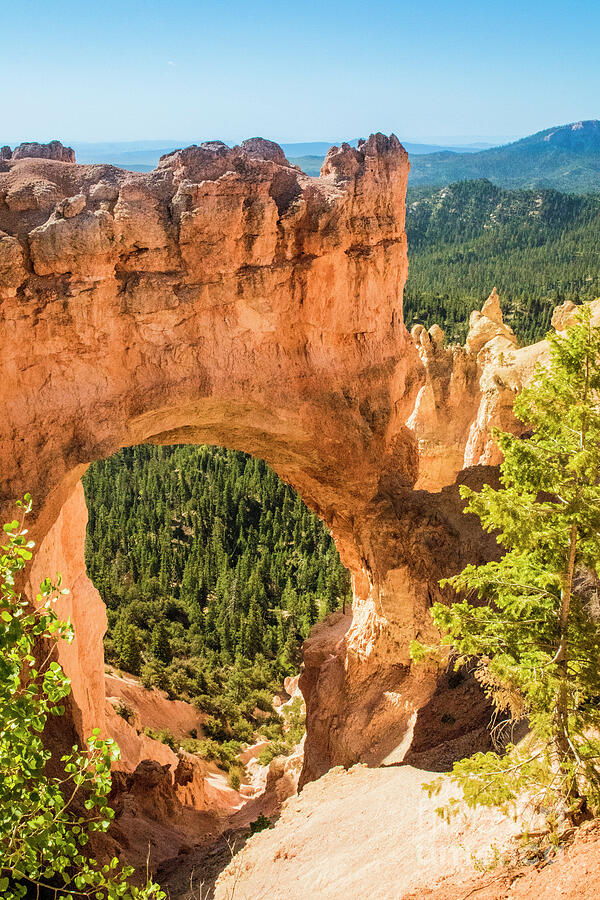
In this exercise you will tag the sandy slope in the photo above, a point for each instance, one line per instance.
(152, 708)
(364, 833)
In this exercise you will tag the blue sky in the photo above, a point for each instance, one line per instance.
(428, 70)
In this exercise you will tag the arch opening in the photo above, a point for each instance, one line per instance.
(213, 572)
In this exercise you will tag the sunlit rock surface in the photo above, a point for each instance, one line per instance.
(228, 298)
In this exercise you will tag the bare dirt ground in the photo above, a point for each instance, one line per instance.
(374, 834)
(573, 873)
(364, 833)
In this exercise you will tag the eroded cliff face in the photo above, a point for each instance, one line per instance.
(228, 298)
(223, 298)
(365, 700)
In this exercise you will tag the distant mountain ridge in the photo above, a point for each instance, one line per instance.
(539, 247)
(310, 156)
(565, 157)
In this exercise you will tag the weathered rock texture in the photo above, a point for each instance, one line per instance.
(364, 700)
(225, 298)
(53, 150)
(161, 812)
(228, 298)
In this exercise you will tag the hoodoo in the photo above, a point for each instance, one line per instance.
(228, 298)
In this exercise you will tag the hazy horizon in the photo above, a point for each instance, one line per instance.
(432, 73)
(452, 140)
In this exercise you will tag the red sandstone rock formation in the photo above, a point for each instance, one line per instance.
(228, 298)
(225, 297)
(363, 696)
(162, 812)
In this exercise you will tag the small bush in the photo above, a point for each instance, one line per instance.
(263, 700)
(208, 749)
(295, 721)
(164, 736)
(273, 732)
(215, 728)
(241, 730)
(260, 824)
(125, 712)
(191, 745)
(225, 755)
(277, 748)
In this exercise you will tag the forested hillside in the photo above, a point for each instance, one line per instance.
(566, 158)
(213, 571)
(538, 247)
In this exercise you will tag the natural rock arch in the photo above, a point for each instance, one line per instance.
(228, 298)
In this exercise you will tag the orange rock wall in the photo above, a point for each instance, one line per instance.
(224, 298)
(228, 298)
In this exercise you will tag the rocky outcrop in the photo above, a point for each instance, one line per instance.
(365, 700)
(228, 298)
(162, 811)
(225, 297)
(53, 150)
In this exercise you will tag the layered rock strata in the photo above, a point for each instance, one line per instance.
(224, 298)
(228, 298)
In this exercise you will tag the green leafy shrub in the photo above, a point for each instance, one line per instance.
(295, 721)
(273, 732)
(46, 821)
(164, 736)
(215, 728)
(276, 748)
(241, 730)
(207, 748)
(260, 824)
(262, 700)
(284, 733)
(125, 712)
(191, 745)
(225, 754)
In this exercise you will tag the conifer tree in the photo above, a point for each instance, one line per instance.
(130, 657)
(196, 538)
(161, 645)
(331, 596)
(530, 619)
